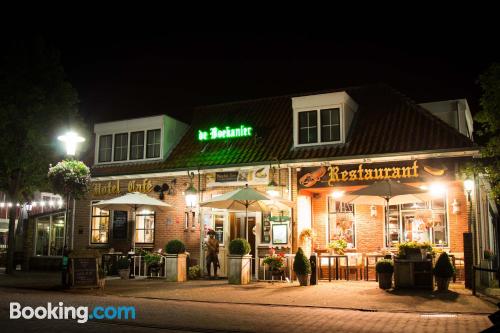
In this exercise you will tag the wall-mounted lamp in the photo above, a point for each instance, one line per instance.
(455, 206)
(191, 194)
(373, 211)
(273, 189)
(468, 187)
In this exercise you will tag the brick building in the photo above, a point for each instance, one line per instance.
(312, 149)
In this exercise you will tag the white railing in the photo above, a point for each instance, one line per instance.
(141, 269)
(287, 269)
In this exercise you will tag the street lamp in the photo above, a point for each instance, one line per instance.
(70, 140)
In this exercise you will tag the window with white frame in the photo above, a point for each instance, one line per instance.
(153, 143)
(330, 125)
(319, 126)
(145, 227)
(99, 229)
(308, 127)
(49, 235)
(105, 148)
(137, 145)
(341, 222)
(420, 222)
(121, 147)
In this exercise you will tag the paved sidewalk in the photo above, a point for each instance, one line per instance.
(360, 295)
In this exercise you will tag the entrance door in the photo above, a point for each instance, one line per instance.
(238, 231)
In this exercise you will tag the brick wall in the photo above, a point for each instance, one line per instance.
(370, 230)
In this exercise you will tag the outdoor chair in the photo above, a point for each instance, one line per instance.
(353, 264)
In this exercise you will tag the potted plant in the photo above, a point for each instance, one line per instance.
(414, 250)
(175, 261)
(194, 272)
(275, 263)
(384, 269)
(152, 261)
(302, 267)
(443, 271)
(239, 262)
(338, 246)
(123, 266)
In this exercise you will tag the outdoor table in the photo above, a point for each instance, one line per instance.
(336, 257)
(376, 256)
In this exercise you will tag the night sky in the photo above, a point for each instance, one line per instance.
(125, 74)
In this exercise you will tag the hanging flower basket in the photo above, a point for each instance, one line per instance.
(70, 177)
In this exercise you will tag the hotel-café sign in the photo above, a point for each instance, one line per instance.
(114, 187)
(338, 175)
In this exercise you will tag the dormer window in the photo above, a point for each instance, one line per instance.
(153, 144)
(121, 147)
(137, 140)
(322, 119)
(308, 127)
(137, 145)
(105, 148)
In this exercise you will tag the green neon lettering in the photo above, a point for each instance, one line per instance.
(225, 133)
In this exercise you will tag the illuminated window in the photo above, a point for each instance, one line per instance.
(145, 228)
(105, 148)
(219, 227)
(50, 235)
(341, 223)
(153, 143)
(121, 147)
(420, 222)
(99, 232)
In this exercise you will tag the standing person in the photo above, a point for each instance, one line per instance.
(212, 252)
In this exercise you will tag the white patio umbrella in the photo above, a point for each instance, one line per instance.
(246, 199)
(135, 201)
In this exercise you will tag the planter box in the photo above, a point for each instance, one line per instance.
(176, 267)
(240, 269)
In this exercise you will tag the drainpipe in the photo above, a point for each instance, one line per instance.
(73, 225)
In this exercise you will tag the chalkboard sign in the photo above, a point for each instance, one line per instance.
(119, 224)
(85, 272)
(230, 176)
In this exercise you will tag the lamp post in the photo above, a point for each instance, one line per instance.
(469, 186)
(70, 141)
(470, 245)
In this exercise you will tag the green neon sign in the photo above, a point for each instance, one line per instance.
(225, 133)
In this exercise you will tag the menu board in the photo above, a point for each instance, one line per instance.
(280, 233)
(119, 224)
(85, 272)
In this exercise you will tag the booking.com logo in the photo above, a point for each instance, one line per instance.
(80, 313)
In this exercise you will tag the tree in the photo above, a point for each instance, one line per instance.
(36, 103)
(488, 133)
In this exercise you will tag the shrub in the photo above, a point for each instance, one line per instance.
(123, 263)
(175, 246)
(239, 246)
(384, 266)
(194, 272)
(406, 248)
(152, 258)
(444, 268)
(301, 264)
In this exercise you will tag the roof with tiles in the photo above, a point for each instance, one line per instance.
(386, 123)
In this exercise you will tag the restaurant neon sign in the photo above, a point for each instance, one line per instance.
(225, 133)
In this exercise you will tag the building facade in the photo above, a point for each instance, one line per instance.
(312, 149)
